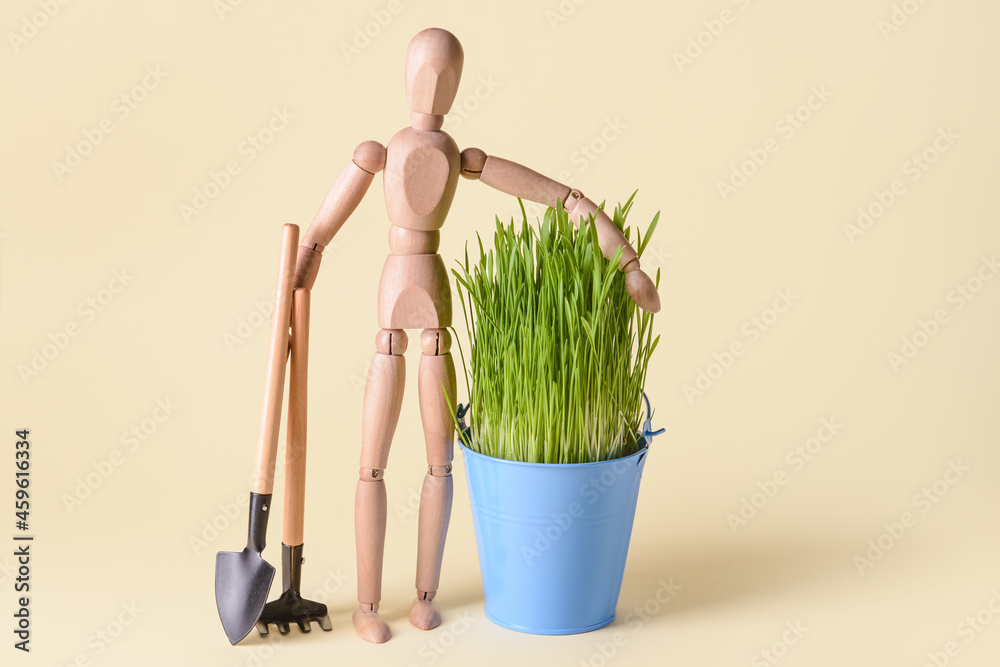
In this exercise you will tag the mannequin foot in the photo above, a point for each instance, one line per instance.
(424, 615)
(370, 626)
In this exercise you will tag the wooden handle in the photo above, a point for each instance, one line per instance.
(295, 444)
(277, 358)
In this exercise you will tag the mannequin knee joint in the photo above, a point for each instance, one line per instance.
(391, 342)
(435, 342)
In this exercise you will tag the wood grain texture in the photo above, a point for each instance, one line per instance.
(414, 293)
(277, 358)
(640, 286)
(424, 614)
(307, 266)
(391, 341)
(520, 181)
(642, 289)
(436, 498)
(380, 413)
(426, 122)
(434, 61)
(370, 156)
(343, 197)
(295, 442)
(370, 626)
(404, 241)
(473, 161)
(608, 236)
(421, 174)
(517, 180)
(370, 509)
(435, 342)
(436, 384)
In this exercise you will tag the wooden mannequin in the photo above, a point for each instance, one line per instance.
(421, 167)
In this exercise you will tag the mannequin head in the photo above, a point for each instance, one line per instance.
(433, 69)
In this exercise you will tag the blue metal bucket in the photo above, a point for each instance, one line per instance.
(553, 538)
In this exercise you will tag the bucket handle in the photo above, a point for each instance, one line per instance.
(463, 428)
(647, 426)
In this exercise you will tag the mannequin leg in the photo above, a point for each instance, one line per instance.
(383, 398)
(436, 380)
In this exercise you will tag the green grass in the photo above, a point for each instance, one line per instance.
(559, 351)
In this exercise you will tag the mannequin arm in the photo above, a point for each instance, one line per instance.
(515, 179)
(344, 196)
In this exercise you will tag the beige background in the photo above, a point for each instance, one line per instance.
(542, 82)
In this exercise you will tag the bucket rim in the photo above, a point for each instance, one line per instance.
(469, 452)
(551, 632)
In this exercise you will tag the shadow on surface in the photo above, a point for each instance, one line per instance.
(716, 574)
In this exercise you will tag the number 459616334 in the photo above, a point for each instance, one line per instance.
(22, 463)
